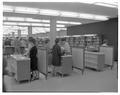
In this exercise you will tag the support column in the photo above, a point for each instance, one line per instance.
(29, 31)
(19, 33)
(13, 34)
(52, 31)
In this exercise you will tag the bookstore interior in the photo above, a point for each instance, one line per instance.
(60, 46)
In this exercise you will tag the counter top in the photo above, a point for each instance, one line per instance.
(20, 57)
(98, 53)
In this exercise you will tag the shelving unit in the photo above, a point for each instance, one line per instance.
(84, 40)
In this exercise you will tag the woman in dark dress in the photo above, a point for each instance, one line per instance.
(56, 56)
(33, 59)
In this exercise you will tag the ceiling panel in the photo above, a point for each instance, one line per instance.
(74, 7)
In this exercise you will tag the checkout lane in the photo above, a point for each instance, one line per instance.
(85, 58)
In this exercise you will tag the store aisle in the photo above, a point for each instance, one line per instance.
(105, 81)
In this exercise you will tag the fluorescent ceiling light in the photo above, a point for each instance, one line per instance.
(63, 22)
(101, 17)
(47, 29)
(106, 5)
(94, 17)
(15, 18)
(47, 21)
(46, 24)
(36, 24)
(7, 8)
(68, 14)
(60, 25)
(4, 18)
(90, 35)
(87, 1)
(9, 23)
(15, 27)
(76, 23)
(5, 26)
(24, 24)
(94, 1)
(86, 16)
(38, 30)
(67, 22)
(26, 10)
(49, 12)
(58, 29)
(32, 20)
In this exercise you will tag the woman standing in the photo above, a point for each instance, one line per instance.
(33, 58)
(56, 56)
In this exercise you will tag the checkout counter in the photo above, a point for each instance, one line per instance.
(92, 58)
(66, 65)
(20, 66)
(45, 60)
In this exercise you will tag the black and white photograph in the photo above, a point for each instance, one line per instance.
(60, 47)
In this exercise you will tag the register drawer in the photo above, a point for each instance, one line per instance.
(89, 64)
(90, 55)
(91, 60)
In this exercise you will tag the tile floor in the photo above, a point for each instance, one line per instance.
(90, 81)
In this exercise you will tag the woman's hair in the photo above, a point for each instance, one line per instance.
(63, 39)
(32, 40)
(56, 40)
(47, 40)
